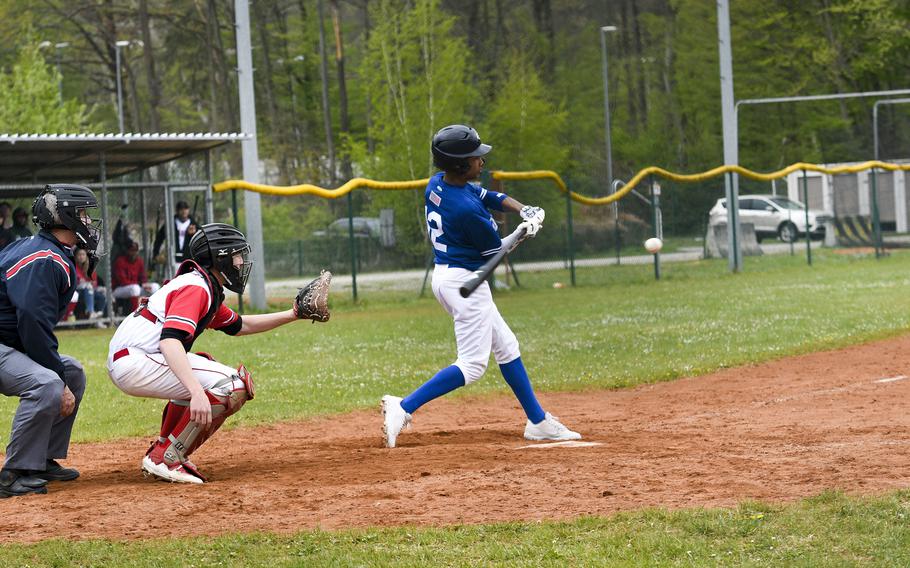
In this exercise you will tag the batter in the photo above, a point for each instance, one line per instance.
(464, 235)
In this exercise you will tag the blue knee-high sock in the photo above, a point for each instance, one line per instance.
(517, 378)
(443, 382)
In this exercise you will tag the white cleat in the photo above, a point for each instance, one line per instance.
(550, 428)
(394, 419)
(160, 470)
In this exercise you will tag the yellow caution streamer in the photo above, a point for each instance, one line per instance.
(308, 189)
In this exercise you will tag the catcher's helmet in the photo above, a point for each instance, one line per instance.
(453, 144)
(214, 246)
(65, 206)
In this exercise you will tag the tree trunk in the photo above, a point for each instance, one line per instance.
(371, 144)
(840, 71)
(543, 18)
(672, 102)
(642, 69)
(205, 17)
(346, 170)
(224, 95)
(298, 126)
(326, 111)
(151, 76)
(276, 125)
(627, 65)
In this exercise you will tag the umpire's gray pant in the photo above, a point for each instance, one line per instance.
(39, 433)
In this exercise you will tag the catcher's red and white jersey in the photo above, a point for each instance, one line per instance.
(179, 304)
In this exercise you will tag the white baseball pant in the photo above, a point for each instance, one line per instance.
(148, 375)
(479, 328)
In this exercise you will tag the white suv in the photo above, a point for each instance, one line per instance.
(773, 215)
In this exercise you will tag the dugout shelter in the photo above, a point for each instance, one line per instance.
(117, 166)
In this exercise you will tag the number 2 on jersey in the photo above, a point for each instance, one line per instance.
(434, 224)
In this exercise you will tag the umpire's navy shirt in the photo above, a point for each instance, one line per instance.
(37, 281)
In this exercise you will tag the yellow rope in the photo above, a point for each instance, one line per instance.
(308, 189)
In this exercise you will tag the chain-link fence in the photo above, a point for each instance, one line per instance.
(375, 242)
(140, 213)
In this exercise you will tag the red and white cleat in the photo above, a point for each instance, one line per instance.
(178, 473)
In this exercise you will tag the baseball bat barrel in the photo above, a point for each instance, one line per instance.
(483, 273)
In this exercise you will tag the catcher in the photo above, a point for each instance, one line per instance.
(150, 352)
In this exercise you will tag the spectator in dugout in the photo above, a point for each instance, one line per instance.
(6, 224)
(129, 278)
(6, 220)
(190, 231)
(20, 228)
(182, 221)
(92, 296)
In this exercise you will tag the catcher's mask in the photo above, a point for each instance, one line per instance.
(65, 206)
(216, 245)
(454, 144)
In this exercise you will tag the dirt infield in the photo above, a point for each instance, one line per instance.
(777, 431)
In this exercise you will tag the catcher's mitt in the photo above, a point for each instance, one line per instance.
(312, 301)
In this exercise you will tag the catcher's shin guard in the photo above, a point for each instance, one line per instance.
(181, 436)
(171, 415)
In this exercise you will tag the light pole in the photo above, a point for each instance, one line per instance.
(58, 46)
(607, 136)
(117, 46)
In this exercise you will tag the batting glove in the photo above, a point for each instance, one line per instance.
(533, 219)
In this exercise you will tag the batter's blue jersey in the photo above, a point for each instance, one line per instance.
(461, 229)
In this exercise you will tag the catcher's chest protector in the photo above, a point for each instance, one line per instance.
(217, 294)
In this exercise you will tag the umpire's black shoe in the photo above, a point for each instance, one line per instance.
(14, 483)
(56, 472)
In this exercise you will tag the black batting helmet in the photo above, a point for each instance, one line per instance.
(65, 206)
(453, 144)
(215, 245)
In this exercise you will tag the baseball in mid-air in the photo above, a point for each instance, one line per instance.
(653, 245)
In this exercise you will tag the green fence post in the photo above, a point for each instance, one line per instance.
(299, 257)
(569, 240)
(655, 221)
(353, 246)
(876, 222)
(617, 237)
(806, 208)
(790, 220)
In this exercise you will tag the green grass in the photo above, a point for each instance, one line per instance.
(828, 530)
(617, 328)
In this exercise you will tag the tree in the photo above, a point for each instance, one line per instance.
(526, 128)
(418, 83)
(31, 100)
(527, 132)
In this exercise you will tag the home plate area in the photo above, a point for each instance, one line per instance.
(567, 444)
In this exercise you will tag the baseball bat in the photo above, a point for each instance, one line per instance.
(481, 274)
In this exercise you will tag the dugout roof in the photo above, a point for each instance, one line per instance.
(87, 158)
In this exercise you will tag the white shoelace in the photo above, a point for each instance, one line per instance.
(554, 420)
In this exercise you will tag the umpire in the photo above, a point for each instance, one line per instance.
(37, 281)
